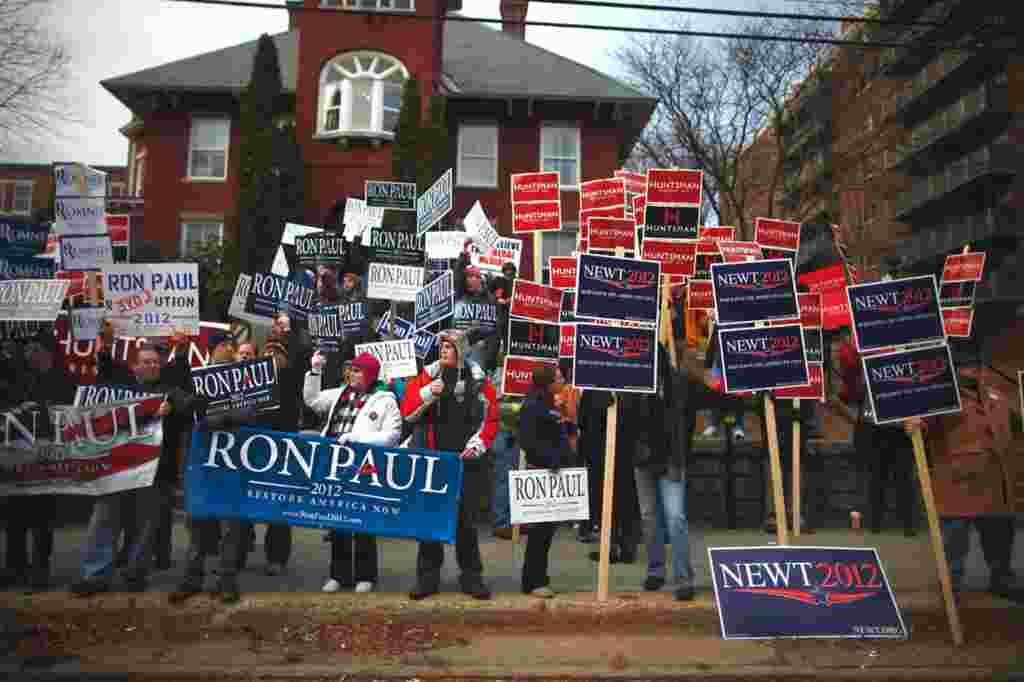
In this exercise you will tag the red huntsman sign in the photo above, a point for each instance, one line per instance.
(536, 302)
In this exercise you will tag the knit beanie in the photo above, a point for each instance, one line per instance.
(370, 367)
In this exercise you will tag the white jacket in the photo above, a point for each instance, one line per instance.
(379, 422)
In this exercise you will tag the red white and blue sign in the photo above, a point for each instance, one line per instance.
(895, 313)
(612, 288)
(762, 358)
(914, 383)
(615, 358)
(756, 291)
(803, 592)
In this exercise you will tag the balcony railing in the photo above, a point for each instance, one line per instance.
(987, 160)
(983, 99)
(948, 62)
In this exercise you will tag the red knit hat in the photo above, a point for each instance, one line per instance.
(370, 367)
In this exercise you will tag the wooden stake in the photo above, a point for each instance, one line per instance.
(666, 318)
(782, 533)
(607, 502)
(936, 532)
(515, 527)
(538, 276)
(796, 468)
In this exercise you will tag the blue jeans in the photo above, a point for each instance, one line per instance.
(663, 509)
(108, 515)
(506, 459)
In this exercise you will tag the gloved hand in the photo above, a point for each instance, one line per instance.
(471, 452)
(317, 362)
(345, 439)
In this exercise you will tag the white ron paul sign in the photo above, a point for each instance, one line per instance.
(393, 282)
(539, 495)
(152, 300)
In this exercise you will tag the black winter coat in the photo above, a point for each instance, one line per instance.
(541, 435)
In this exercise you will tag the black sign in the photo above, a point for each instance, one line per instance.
(761, 358)
(957, 294)
(534, 339)
(610, 288)
(239, 387)
(396, 247)
(813, 345)
(754, 291)
(615, 358)
(895, 313)
(330, 324)
(915, 383)
(671, 222)
(320, 249)
(400, 196)
(568, 307)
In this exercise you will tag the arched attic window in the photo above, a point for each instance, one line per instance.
(360, 95)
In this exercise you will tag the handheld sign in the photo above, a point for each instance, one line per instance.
(675, 187)
(543, 496)
(895, 313)
(397, 358)
(758, 291)
(395, 247)
(567, 313)
(563, 271)
(535, 302)
(741, 252)
(699, 295)
(957, 294)
(22, 236)
(330, 324)
(769, 592)
(612, 288)
(677, 257)
(505, 250)
(479, 229)
(99, 394)
(761, 358)
(238, 388)
(86, 252)
(324, 248)
(393, 282)
(671, 222)
(717, 234)
(615, 358)
(813, 391)
(534, 339)
(567, 345)
(517, 374)
(914, 383)
(446, 244)
(540, 216)
(958, 321)
(436, 301)
(17, 266)
(782, 235)
(398, 196)
(605, 193)
(964, 267)
(404, 329)
(258, 298)
(293, 230)
(608, 234)
(434, 204)
(86, 323)
(152, 300)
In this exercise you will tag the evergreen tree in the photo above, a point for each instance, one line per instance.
(434, 154)
(405, 149)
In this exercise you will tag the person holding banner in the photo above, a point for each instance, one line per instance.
(453, 406)
(362, 411)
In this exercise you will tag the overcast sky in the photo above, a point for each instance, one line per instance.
(114, 37)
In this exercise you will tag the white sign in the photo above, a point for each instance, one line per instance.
(80, 215)
(152, 300)
(86, 323)
(280, 266)
(79, 180)
(479, 228)
(539, 495)
(393, 282)
(445, 244)
(505, 250)
(359, 217)
(32, 300)
(397, 358)
(293, 230)
(434, 204)
(86, 252)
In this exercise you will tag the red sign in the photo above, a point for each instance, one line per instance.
(707, 248)
(777, 234)
(120, 226)
(810, 310)
(567, 348)
(585, 216)
(638, 209)
(535, 302)
(813, 391)
(958, 321)
(518, 374)
(535, 187)
(826, 279)
(739, 252)
(611, 233)
(540, 216)
(965, 267)
(699, 296)
(835, 309)
(677, 257)
(563, 272)
(674, 186)
(604, 193)
(717, 234)
(636, 183)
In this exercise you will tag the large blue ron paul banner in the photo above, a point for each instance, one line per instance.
(274, 477)
(768, 592)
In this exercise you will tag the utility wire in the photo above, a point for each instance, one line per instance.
(621, 29)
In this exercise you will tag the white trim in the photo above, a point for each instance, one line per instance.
(462, 181)
(366, 63)
(579, 151)
(359, 6)
(191, 141)
(184, 223)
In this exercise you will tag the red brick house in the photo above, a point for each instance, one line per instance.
(512, 107)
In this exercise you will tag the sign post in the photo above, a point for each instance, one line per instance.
(796, 468)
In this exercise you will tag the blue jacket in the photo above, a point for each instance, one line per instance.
(541, 435)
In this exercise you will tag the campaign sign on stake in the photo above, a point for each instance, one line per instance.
(913, 383)
(404, 329)
(834, 592)
(810, 310)
(324, 248)
(717, 234)
(757, 291)
(678, 186)
(783, 235)
(707, 255)
(568, 312)
(699, 295)
(563, 271)
(958, 321)
(152, 300)
(397, 358)
(505, 250)
(813, 391)
(399, 196)
(393, 282)
(567, 345)
(531, 187)
(540, 216)
(615, 358)
(677, 257)
(258, 298)
(434, 204)
(964, 267)
(534, 301)
(602, 194)
(895, 313)
(611, 288)
(740, 252)
(436, 301)
(395, 247)
(534, 339)
(957, 294)
(517, 374)
(238, 388)
(329, 324)
(608, 234)
(17, 266)
(545, 496)
(762, 358)
(671, 222)
(813, 345)
(18, 235)
(446, 244)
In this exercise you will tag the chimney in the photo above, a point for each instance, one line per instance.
(293, 14)
(514, 10)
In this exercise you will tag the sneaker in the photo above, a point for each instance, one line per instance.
(684, 593)
(422, 591)
(331, 586)
(274, 569)
(542, 592)
(185, 591)
(475, 587)
(738, 434)
(364, 586)
(709, 432)
(88, 588)
(653, 583)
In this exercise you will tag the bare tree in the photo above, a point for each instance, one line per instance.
(33, 74)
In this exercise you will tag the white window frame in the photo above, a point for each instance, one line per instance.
(192, 148)
(186, 222)
(360, 5)
(462, 180)
(579, 151)
(326, 90)
(14, 193)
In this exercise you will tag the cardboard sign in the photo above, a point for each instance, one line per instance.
(293, 230)
(79, 180)
(813, 391)
(152, 300)
(535, 302)
(965, 267)
(810, 310)
(505, 250)
(636, 183)
(671, 222)
(325, 248)
(677, 257)
(675, 186)
(700, 295)
(238, 388)
(611, 288)
(404, 329)
(717, 234)
(393, 282)
(260, 297)
(395, 247)
(615, 358)
(568, 311)
(479, 229)
(814, 345)
(360, 218)
(100, 394)
(80, 215)
(330, 324)
(86, 252)
(639, 203)
(563, 271)
(602, 194)
(957, 294)
(835, 309)
(534, 339)
(517, 374)
(914, 383)
(398, 196)
(567, 342)
(540, 216)
(762, 358)
(825, 279)
(434, 204)
(769, 592)
(608, 234)
(783, 235)
(86, 323)
(397, 358)
(436, 301)
(757, 291)
(739, 252)
(531, 187)
(32, 299)
(446, 244)
(958, 321)
(895, 313)
(17, 266)
(22, 236)
(543, 496)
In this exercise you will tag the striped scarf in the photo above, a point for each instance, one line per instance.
(346, 411)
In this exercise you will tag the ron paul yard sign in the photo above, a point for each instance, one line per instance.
(399, 196)
(324, 248)
(238, 388)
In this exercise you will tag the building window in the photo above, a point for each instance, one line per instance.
(21, 202)
(561, 243)
(208, 148)
(198, 232)
(478, 155)
(361, 94)
(373, 5)
(560, 151)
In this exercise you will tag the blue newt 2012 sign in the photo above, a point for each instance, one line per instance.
(613, 288)
(762, 358)
(754, 291)
(915, 383)
(895, 313)
(771, 592)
